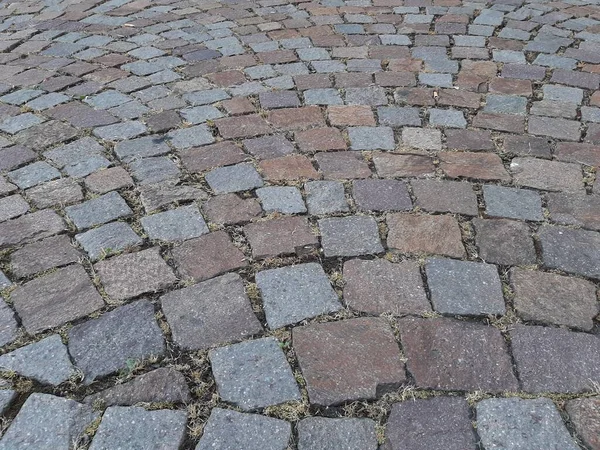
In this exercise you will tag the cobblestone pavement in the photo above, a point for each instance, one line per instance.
(326, 224)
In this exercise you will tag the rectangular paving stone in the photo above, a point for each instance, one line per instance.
(447, 354)
(575, 209)
(570, 250)
(129, 275)
(97, 211)
(425, 139)
(30, 227)
(33, 174)
(381, 195)
(503, 241)
(108, 239)
(12, 206)
(43, 255)
(55, 299)
(177, 224)
(556, 128)
(210, 313)
(350, 360)
(350, 236)
(191, 137)
(522, 204)
(120, 131)
(371, 138)
(240, 177)
(500, 122)
(583, 414)
(555, 360)
(141, 148)
(390, 165)
(445, 196)
(546, 175)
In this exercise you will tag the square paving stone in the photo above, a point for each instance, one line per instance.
(464, 287)
(177, 224)
(325, 197)
(133, 427)
(354, 359)
(294, 293)
(350, 236)
(512, 203)
(99, 210)
(107, 239)
(230, 209)
(102, 346)
(191, 137)
(267, 147)
(503, 241)
(240, 177)
(46, 422)
(332, 434)
(154, 170)
(254, 374)
(379, 286)
(275, 237)
(445, 196)
(534, 424)
(46, 361)
(439, 423)
(381, 195)
(454, 355)
(210, 313)
(283, 199)
(12, 206)
(371, 138)
(552, 298)
(43, 255)
(33, 174)
(555, 360)
(55, 299)
(30, 227)
(129, 275)
(232, 430)
(436, 235)
(574, 251)
(584, 414)
(208, 256)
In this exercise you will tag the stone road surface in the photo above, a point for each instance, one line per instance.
(303, 224)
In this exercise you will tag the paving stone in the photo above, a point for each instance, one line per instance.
(505, 104)
(158, 195)
(288, 168)
(512, 203)
(47, 422)
(134, 427)
(107, 239)
(354, 359)
(45, 361)
(269, 146)
(424, 234)
(575, 209)
(240, 177)
(320, 139)
(573, 251)
(253, 374)
(283, 199)
(55, 299)
(242, 126)
(420, 138)
(445, 196)
(63, 191)
(6, 398)
(381, 195)
(351, 116)
(132, 274)
(546, 175)
(453, 355)
(555, 360)
(13, 125)
(484, 166)
(108, 180)
(438, 423)
(120, 131)
(379, 286)
(104, 345)
(447, 118)
(210, 313)
(350, 236)
(506, 242)
(15, 156)
(556, 128)
(33, 174)
(97, 211)
(190, 137)
(342, 165)
(325, 197)
(154, 170)
(230, 209)
(584, 414)
(330, 434)
(12, 206)
(8, 326)
(229, 430)
(162, 385)
(520, 423)
(403, 165)
(578, 153)
(371, 138)
(141, 148)
(463, 287)
(43, 255)
(397, 116)
(291, 294)
(30, 227)
(177, 224)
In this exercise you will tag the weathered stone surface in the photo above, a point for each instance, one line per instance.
(354, 359)
(381, 195)
(280, 236)
(438, 235)
(132, 274)
(445, 196)
(502, 241)
(230, 209)
(482, 166)
(379, 286)
(574, 251)
(55, 299)
(100, 210)
(7, 396)
(294, 293)
(282, 199)
(231, 430)
(12, 206)
(63, 191)
(575, 209)
(584, 414)
(134, 427)
(350, 236)
(454, 355)
(546, 175)
(30, 227)
(512, 203)
(551, 298)
(439, 423)
(199, 159)
(390, 165)
(106, 239)
(241, 177)
(517, 423)
(104, 345)
(325, 197)
(46, 361)
(332, 434)
(253, 374)
(43, 255)
(177, 224)
(8, 324)
(155, 196)
(47, 422)
(555, 360)
(210, 313)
